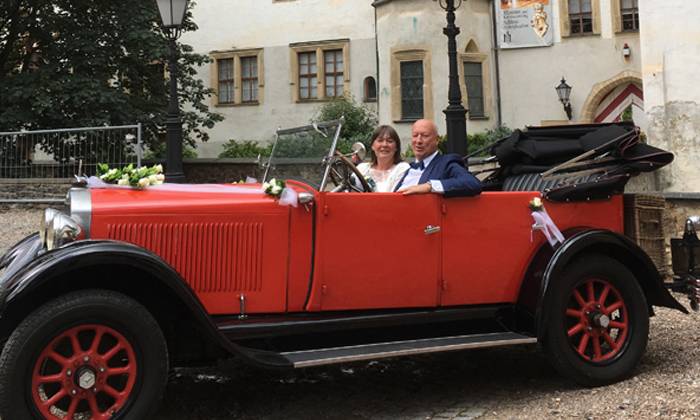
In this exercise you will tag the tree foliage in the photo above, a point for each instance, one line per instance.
(359, 123)
(78, 63)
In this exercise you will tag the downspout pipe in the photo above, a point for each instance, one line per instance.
(376, 54)
(497, 67)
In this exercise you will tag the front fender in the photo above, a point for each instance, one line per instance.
(30, 271)
(611, 244)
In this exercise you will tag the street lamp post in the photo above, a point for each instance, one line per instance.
(455, 114)
(172, 13)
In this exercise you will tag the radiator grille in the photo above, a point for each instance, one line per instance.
(211, 257)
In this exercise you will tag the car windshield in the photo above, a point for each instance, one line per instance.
(302, 153)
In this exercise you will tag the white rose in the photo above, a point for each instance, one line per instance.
(123, 181)
(266, 186)
(143, 182)
(276, 189)
(160, 178)
(537, 202)
(152, 179)
(158, 168)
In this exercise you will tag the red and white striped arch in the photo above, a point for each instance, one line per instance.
(611, 108)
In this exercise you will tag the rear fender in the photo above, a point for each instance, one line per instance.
(610, 244)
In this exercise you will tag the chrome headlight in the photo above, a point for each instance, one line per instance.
(62, 230)
(46, 220)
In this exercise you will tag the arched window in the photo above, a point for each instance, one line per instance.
(370, 89)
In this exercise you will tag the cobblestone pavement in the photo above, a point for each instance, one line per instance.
(485, 384)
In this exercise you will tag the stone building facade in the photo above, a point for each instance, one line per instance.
(277, 61)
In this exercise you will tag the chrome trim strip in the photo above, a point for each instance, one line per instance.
(80, 202)
(405, 352)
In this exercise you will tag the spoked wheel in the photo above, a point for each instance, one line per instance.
(599, 321)
(341, 174)
(86, 369)
(88, 355)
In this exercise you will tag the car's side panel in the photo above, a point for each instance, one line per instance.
(372, 252)
(224, 246)
(488, 244)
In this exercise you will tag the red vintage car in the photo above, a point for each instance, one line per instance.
(103, 300)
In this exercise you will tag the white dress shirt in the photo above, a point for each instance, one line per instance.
(413, 176)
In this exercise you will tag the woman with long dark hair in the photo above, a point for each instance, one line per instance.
(386, 167)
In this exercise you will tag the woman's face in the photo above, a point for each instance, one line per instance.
(384, 147)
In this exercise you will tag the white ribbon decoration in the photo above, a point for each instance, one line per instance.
(288, 197)
(545, 223)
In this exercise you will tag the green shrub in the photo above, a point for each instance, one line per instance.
(244, 149)
(359, 124)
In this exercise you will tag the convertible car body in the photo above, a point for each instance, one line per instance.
(98, 305)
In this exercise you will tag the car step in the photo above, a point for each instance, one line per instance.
(333, 355)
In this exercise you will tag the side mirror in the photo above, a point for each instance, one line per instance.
(359, 150)
(305, 198)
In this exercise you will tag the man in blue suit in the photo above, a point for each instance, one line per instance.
(433, 171)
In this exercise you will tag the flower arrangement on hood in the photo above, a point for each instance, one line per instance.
(536, 204)
(141, 177)
(274, 187)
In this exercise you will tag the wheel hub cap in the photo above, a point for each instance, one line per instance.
(86, 378)
(600, 320)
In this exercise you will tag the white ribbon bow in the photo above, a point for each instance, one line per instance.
(545, 224)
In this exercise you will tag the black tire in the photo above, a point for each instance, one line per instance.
(120, 347)
(573, 317)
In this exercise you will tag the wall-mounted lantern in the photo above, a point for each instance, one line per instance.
(564, 92)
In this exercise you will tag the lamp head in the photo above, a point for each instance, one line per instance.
(172, 12)
(563, 91)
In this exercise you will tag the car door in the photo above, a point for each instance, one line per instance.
(379, 250)
(488, 242)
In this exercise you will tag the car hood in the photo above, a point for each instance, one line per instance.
(185, 199)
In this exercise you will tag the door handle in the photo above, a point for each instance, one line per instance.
(430, 229)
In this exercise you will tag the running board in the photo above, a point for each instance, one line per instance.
(334, 355)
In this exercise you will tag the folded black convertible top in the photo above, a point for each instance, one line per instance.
(574, 162)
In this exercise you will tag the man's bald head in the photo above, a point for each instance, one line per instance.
(424, 141)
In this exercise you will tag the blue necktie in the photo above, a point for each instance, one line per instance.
(417, 165)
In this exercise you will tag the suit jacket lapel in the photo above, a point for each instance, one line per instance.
(425, 176)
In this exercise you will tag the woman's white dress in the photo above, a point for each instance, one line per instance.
(384, 181)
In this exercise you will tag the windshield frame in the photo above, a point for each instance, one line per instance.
(323, 129)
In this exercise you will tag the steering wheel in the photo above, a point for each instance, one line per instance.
(341, 171)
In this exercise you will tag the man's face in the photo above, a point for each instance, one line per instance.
(423, 139)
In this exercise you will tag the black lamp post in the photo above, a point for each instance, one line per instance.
(564, 92)
(172, 12)
(455, 114)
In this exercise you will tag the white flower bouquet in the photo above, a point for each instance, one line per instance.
(274, 187)
(141, 177)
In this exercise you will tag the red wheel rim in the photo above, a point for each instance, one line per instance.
(597, 321)
(87, 371)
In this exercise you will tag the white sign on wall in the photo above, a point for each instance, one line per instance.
(524, 23)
